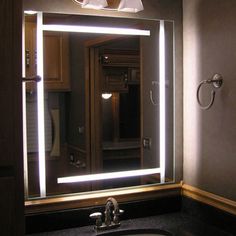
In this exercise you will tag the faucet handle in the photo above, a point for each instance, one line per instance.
(98, 217)
(116, 218)
(120, 212)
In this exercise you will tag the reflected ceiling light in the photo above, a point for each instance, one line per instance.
(106, 95)
(130, 6)
(94, 4)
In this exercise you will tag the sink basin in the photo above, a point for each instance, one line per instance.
(137, 232)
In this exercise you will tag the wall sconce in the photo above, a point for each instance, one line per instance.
(115, 5)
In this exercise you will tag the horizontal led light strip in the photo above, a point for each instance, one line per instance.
(96, 30)
(104, 176)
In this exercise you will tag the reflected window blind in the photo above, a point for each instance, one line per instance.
(32, 129)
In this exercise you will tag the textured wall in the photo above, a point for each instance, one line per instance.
(210, 136)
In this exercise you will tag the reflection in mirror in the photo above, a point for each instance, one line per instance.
(108, 105)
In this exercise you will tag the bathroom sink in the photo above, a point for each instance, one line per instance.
(137, 232)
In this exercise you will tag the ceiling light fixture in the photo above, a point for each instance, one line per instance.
(132, 6)
(94, 4)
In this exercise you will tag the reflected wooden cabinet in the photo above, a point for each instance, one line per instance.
(120, 68)
(120, 58)
(115, 80)
(134, 75)
(30, 49)
(56, 58)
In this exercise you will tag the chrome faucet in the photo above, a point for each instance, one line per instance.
(112, 204)
(112, 215)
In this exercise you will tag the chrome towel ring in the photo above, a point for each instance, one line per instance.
(216, 81)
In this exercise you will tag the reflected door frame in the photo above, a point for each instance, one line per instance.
(94, 106)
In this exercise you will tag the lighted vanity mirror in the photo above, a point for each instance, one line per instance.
(103, 114)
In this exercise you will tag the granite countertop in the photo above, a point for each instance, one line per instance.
(179, 224)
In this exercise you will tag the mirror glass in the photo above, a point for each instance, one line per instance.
(108, 105)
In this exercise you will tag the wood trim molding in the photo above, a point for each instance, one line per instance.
(126, 195)
(209, 198)
(99, 198)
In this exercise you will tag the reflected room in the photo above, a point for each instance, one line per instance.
(102, 105)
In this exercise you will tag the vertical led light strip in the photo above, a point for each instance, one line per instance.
(25, 138)
(162, 100)
(40, 106)
(24, 115)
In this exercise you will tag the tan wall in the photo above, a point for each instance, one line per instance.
(210, 136)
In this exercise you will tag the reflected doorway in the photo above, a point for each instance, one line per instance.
(115, 65)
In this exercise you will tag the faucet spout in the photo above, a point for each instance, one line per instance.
(112, 213)
(112, 204)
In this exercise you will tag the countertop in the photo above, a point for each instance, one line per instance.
(179, 224)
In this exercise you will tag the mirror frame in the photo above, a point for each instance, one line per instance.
(98, 198)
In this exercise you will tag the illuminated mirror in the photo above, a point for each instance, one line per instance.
(102, 115)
